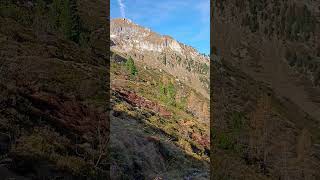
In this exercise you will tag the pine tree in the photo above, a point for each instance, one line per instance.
(131, 67)
(65, 19)
(75, 22)
(55, 11)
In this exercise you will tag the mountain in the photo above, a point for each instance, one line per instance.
(160, 106)
(161, 52)
(53, 95)
(266, 106)
(278, 45)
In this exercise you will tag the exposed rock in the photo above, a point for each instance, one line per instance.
(161, 52)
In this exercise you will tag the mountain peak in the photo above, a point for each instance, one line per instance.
(161, 52)
(126, 20)
(133, 37)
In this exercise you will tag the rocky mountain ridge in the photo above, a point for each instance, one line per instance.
(162, 52)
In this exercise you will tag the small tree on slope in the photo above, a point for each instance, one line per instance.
(131, 67)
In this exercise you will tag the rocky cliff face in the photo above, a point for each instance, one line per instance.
(162, 52)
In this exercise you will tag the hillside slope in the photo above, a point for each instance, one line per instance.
(257, 134)
(278, 45)
(53, 94)
(153, 135)
(160, 106)
(266, 110)
(161, 52)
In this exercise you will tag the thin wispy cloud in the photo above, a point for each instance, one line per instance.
(122, 8)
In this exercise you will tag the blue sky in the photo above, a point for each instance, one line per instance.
(188, 21)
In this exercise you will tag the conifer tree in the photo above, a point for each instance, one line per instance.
(65, 19)
(75, 22)
(131, 67)
(55, 11)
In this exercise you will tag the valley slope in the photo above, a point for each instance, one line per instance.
(160, 115)
(265, 90)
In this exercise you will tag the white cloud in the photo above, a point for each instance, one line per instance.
(122, 8)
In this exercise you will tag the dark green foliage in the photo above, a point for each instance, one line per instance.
(84, 39)
(131, 67)
(75, 22)
(237, 121)
(65, 19)
(69, 20)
